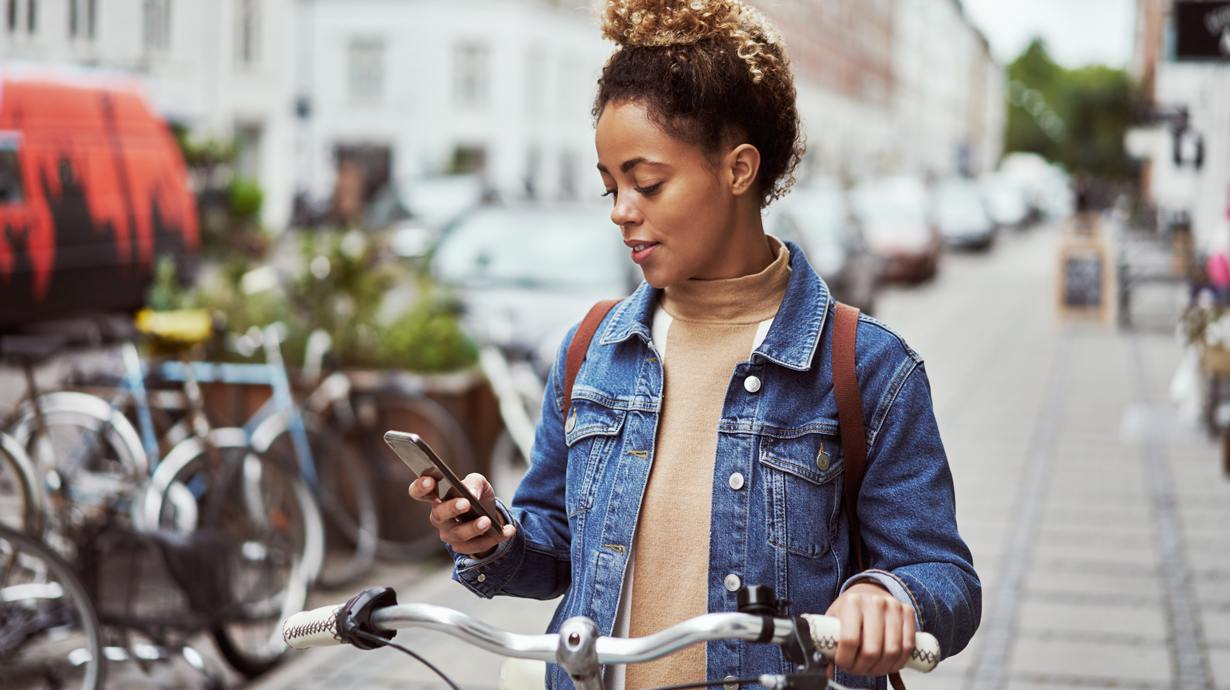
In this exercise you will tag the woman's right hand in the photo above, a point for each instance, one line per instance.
(473, 537)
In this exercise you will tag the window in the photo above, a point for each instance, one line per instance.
(31, 16)
(81, 18)
(157, 24)
(11, 13)
(11, 191)
(247, 33)
(535, 91)
(366, 70)
(470, 75)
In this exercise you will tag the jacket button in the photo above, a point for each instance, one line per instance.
(751, 384)
(571, 423)
(736, 481)
(728, 684)
(482, 577)
(732, 583)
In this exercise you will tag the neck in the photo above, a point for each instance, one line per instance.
(747, 251)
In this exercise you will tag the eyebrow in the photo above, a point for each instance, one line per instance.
(630, 164)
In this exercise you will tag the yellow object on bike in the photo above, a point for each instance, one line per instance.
(182, 326)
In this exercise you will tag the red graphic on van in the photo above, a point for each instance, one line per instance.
(92, 190)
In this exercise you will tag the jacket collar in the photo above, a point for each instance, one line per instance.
(792, 340)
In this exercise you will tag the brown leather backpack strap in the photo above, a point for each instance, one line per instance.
(853, 429)
(580, 345)
(849, 417)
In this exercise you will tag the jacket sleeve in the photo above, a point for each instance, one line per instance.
(536, 563)
(907, 508)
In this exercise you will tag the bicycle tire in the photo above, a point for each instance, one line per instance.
(507, 466)
(255, 524)
(21, 496)
(409, 536)
(346, 495)
(94, 676)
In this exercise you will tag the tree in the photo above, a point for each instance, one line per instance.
(1076, 117)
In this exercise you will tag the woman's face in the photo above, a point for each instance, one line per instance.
(675, 209)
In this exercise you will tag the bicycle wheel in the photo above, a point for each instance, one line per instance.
(507, 466)
(49, 631)
(89, 449)
(347, 500)
(263, 507)
(21, 504)
(405, 533)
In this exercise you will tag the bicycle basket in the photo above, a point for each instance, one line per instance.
(157, 580)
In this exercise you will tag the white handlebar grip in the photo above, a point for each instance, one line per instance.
(315, 628)
(825, 631)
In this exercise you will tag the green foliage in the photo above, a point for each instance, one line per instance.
(428, 337)
(166, 292)
(1095, 106)
(246, 199)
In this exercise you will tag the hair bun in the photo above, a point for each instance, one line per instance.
(680, 22)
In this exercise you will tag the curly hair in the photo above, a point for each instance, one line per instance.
(709, 72)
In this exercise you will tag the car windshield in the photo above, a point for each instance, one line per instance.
(532, 248)
(958, 202)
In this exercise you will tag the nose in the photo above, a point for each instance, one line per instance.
(624, 212)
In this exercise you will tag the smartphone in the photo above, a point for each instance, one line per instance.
(423, 461)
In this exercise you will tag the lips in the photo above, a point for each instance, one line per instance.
(642, 250)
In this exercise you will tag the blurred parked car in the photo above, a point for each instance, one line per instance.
(430, 204)
(893, 213)
(957, 210)
(532, 271)
(1005, 201)
(818, 218)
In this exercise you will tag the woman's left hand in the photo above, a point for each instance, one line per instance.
(877, 631)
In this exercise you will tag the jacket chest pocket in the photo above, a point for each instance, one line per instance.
(592, 433)
(802, 480)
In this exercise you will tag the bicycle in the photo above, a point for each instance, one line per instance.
(212, 479)
(50, 635)
(371, 618)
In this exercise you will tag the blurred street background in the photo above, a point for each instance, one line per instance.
(241, 239)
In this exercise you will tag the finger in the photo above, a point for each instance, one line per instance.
(423, 489)
(891, 651)
(479, 486)
(479, 545)
(872, 647)
(908, 630)
(851, 616)
(461, 532)
(445, 511)
(484, 543)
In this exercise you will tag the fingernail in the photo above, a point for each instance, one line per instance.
(462, 504)
(483, 523)
(426, 482)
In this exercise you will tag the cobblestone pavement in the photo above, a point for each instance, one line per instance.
(1099, 522)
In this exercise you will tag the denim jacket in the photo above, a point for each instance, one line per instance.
(576, 509)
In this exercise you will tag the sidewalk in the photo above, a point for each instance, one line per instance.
(1099, 523)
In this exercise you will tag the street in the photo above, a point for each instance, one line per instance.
(1097, 519)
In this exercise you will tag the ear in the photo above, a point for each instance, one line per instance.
(742, 168)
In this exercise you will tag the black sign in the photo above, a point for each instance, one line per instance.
(1082, 280)
(1202, 29)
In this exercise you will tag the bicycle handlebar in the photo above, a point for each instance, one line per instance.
(319, 628)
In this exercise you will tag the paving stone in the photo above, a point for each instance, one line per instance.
(1091, 662)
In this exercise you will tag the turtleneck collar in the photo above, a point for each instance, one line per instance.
(746, 299)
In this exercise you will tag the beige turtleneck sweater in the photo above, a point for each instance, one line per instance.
(702, 330)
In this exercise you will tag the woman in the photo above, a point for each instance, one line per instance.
(701, 451)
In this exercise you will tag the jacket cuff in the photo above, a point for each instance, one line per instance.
(895, 586)
(486, 576)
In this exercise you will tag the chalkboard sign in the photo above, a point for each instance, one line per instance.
(1083, 278)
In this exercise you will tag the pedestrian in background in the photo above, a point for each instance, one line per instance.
(699, 449)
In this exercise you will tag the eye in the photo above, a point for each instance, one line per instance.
(650, 190)
(609, 192)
